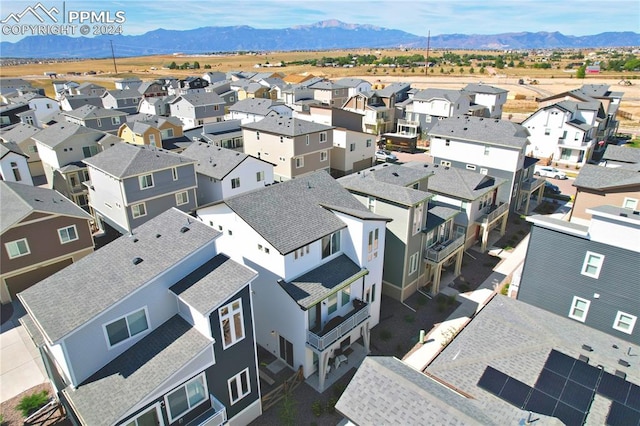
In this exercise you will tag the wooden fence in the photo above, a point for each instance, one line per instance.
(273, 397)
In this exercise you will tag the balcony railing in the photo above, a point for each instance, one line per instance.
(493, 214)
(532, 184)
(214, 416)
(354, 318)
(439, 251)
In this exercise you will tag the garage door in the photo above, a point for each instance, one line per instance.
(22, 282)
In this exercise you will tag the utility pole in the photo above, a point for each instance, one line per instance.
(114, 57)
(426, 65)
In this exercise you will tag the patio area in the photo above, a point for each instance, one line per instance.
(353, 357)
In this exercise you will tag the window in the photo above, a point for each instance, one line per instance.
(126, 327)
(417, 218)
(486, 150)
(307, 140)
(471, 167)
(139, 210)
(68, 234)
(259, 176)
(187, 397)
(373, 244)
(89, 151)
(323, 156)
(257, 135)
(345, 296)
(323, 137)
(371, 205)
(547, 131)
(592, 264)
(301, 252)
(352, 147)
(445, 163)
(32, 149)
(281, 139)
(332, 303)
(17, 248)
(630, 203)
(231, 323)
(447, 142)
(299, 162)
(413, 263)
(484, 171)
(174, 173)
(239, 386)
(624, 322)
(330, 244)
(16, 171)
(182, 198)
(115, 120)
(579, 308)
(99, 122)
(145, 181)
(368, 143)
(235, 183)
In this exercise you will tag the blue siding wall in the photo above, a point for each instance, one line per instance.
(163, 183)
(552, 277)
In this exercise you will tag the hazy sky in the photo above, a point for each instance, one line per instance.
(570, 17)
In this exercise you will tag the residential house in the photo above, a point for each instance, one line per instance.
(620, 156)
(13, 164)
(223, 173)
(298, 78)
(131, 184)
(488, 146)
(223, 89)
(493, 98)
(22, 134)
(128, 83)
(225, 134)
(597, 264)
(251, 90)
(189, 85)
(275, 85)
(252, 110)
(124, 100)
(156, 105)
(378, 107)
(299, 97)
(63, 87)
(89, 89)
(599, 185)
(11, 87)
(214, 76)
(319, 254)
(42, 233)
(105, 120)
(152, 89)
(197, 109)
(296, 147)
(354, 85)
(150, 130)
(71, 102)
(161, 333)
(428, 106)
(10, 114)
(329, 93)
(565, 132)
(41, 107)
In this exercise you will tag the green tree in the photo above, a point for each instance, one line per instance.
(461, 70)
(582, 71)
(471, 70)
(482, 70)
(173, 66)
(196, 65)
(207, 66)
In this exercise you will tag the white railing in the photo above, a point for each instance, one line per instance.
(215, 416)
(438, 252)
(323, 342)
(495, 213)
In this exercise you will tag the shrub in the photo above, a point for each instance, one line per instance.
(316, 408)
(288, 410)
(338, 388)
(451, 299)
(385, 335)
(505, 289)
(31, 403)
(331, 404)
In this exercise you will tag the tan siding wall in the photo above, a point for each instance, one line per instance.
(588, 199)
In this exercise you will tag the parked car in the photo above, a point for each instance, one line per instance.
(384, 155)
(549, 171)
(551, 189)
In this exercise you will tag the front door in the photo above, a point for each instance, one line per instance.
(286, 351)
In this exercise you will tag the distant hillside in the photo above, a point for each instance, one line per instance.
(323, 35)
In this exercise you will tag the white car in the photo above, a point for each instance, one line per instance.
(548, 171)
(384, 155)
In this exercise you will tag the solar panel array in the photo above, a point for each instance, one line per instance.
(565, 389)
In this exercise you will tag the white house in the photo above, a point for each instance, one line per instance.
(13, 164)
(493, 98)
(41, 106)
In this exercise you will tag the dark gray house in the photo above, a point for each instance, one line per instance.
(161, 333)
(124, 100)
(106, 120)
(587, 273)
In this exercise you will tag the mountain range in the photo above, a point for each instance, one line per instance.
(324, 35)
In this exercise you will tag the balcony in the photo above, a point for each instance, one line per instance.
(439, 251)
(321, 340)
(494, 212)
(215, 416)
(531, 184)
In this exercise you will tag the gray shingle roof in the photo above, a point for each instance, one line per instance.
(438, 214)
(66, 300)
(200, 99)
(386, 391)
(287, 126)
(130, 378)
(350, 82)
(8, 147)
(326, 85)
(253, 106)
(290, 215)
(622, 154)
(212, 283)
(122, 93)
(213, 161)
(326, 279)
(484, 130)
(448, 94)
(76, 101)
(18, 200)
(124, 160)
(483, 88)
(519, 347)
(57, 133)
(18, 133)
(601, 178)
(91, 111)
(393, 88)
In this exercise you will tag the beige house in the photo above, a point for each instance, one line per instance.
(151, 130)
(296, 147)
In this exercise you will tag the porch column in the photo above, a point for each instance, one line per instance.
(366, 335)
(526, 210)
(324, 361)
(458, 268)
(503, 225)
(485, 236)
(437, 272)
(540, 193)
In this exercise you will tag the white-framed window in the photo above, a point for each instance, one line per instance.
(630, 203)
(624, 322)
(139, 210)
(98, 122)
(368, 143)
(149, 417)
(89, 151)
(332, 303)
(17, 248)
(115, 120)
(307, 140)
(145, 181)
(579, 308)
(257, 135)
(447, 142)
(547, 131)
(330, 244)
(32, 149)
(445, 163)
(281, 139)
(372, 248)
(417, 218)
(182, 198)
(231, 323)
(186, 397)
(126, 327)
(235, 183)
(323, 137)
(345, 296)
(68, 234)
(371, 204)
(592, 264)
(16, 171)
(259, 176)
(484, 171)
(239, 386)
(174, 173)
(299, 162)
(487, 150)
(323, 155)
(413, 263)
(301, 252)
(471, 167)
(352, 147)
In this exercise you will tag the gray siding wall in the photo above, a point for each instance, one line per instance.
(163, 183)
(552, 277)
(159, 205)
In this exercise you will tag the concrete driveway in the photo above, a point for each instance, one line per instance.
(21, 367)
